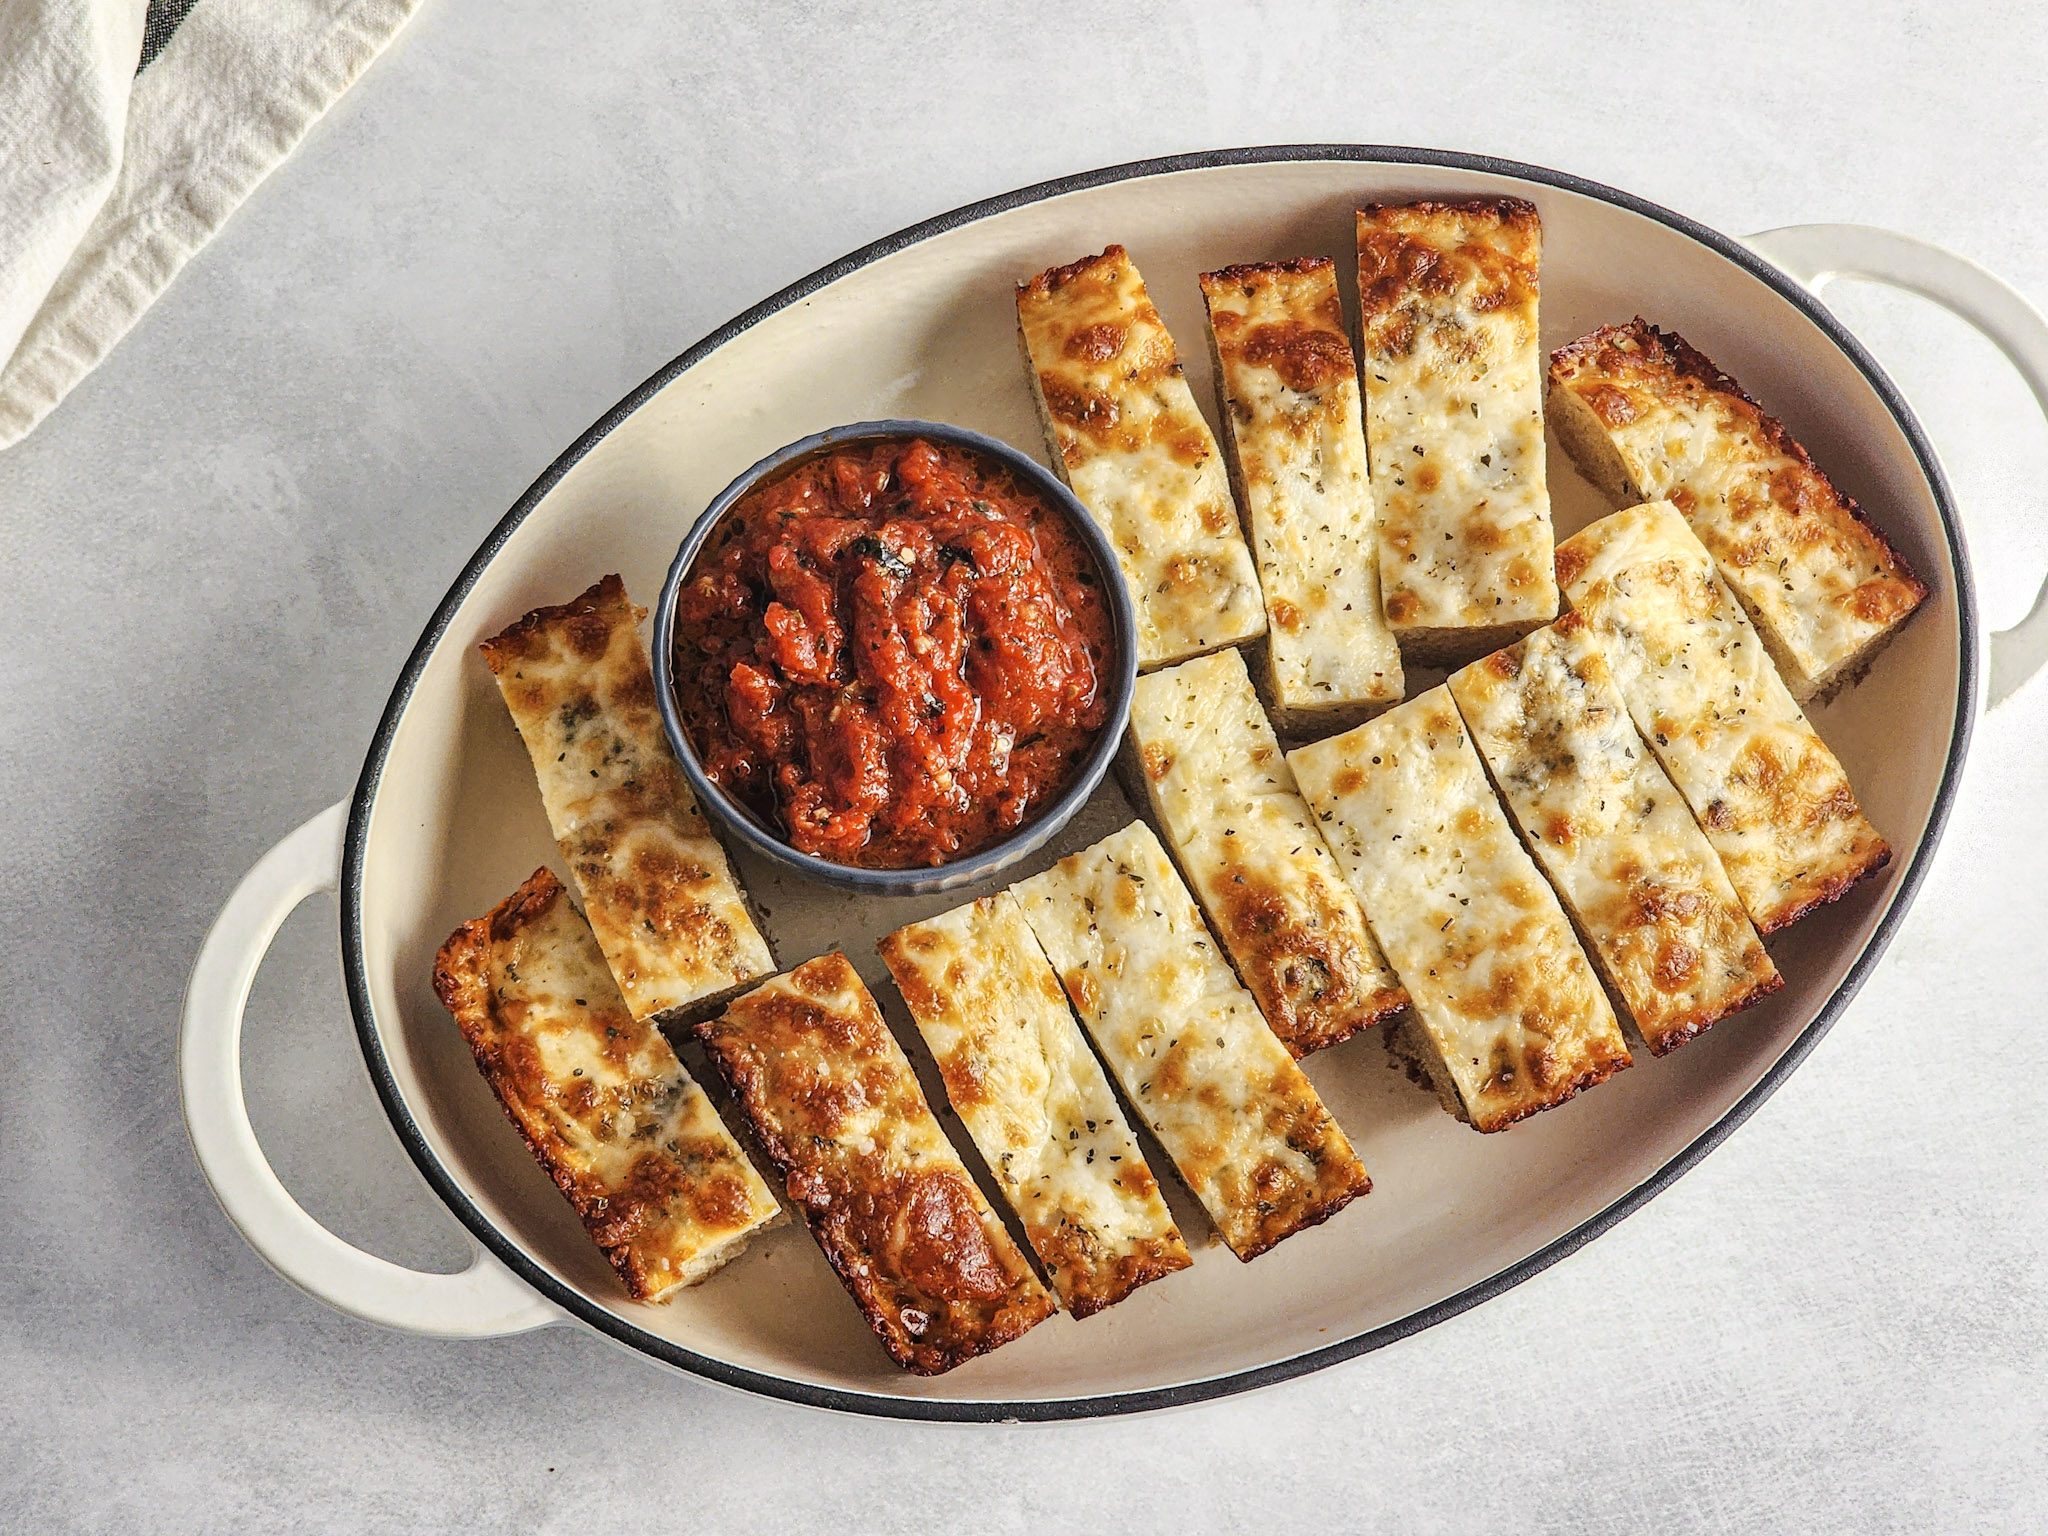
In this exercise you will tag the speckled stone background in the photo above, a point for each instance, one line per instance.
(218, 552)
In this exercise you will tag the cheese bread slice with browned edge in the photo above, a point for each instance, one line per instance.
(1646, 417)
(1509, 1017)
(605, 1106)
(1238, 1117)
(655, 883)
(1287, 395)
(832, 1100)
(1453, 374)
(1035, 1101)
(1224, 798)
(1644, 887)
(1770, 796)
(1123, 430)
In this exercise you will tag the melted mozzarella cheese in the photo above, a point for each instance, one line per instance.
(1511, 1009)
(1294, 432)
(1124, 431)
(655, 883)
(1821, 585)
(1237, 1116)
(1034, 1099)
(1226, 801)
(1454, 419)
(1770, 796)
(1613, 834)
(600, 1097)
(834, 1103)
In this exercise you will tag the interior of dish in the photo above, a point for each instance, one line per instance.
(449, 821)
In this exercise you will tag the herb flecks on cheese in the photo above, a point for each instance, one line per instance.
(1294, 433)
(1509, 1014)
(1238, 1117)
(832, 1100)
(1124, 431)
(1770, 796)
(606, 1108)
(1453, 374)
(655, 883)
(1225, 799)
(1033, 1097)
(1613, 834)
(1648, 418)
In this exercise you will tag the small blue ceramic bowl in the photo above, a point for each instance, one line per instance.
(1121, 673)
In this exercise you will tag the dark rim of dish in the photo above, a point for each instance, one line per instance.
(355, 843)
(1046, 821)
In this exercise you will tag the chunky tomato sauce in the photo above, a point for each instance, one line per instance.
(894, 651)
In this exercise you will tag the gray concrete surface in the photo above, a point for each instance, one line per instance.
(219, 551)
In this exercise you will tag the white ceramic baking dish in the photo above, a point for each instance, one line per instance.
(446, 820)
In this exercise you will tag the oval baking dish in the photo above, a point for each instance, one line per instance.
(444, 819)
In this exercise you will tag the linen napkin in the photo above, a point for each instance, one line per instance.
(129, 131)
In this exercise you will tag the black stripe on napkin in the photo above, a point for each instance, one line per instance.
(157, 26)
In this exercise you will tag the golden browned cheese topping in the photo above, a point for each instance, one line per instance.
(1819, 581)
(1124, 432)
(1240, 1120)
(835, 1105)
(1501, 989)
(1613, 834)
(1227, 804)
(1452, 372)
(1035, 1100)
(1307, 353)
(1488, 255)
(600, 1097)
(1295, 436)
(1771, 798)
(655, 883)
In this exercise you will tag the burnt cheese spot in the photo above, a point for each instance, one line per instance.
(965, 1083)
(1097, 343)
(944, 1252)
(1085, 411)
(1610, 404)
(588, 635)
(1305, 356)
(1882, 601)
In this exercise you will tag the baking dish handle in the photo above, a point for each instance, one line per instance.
(1817, 254)
(482, 1301)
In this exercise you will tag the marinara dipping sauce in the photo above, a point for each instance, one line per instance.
(892, 651)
